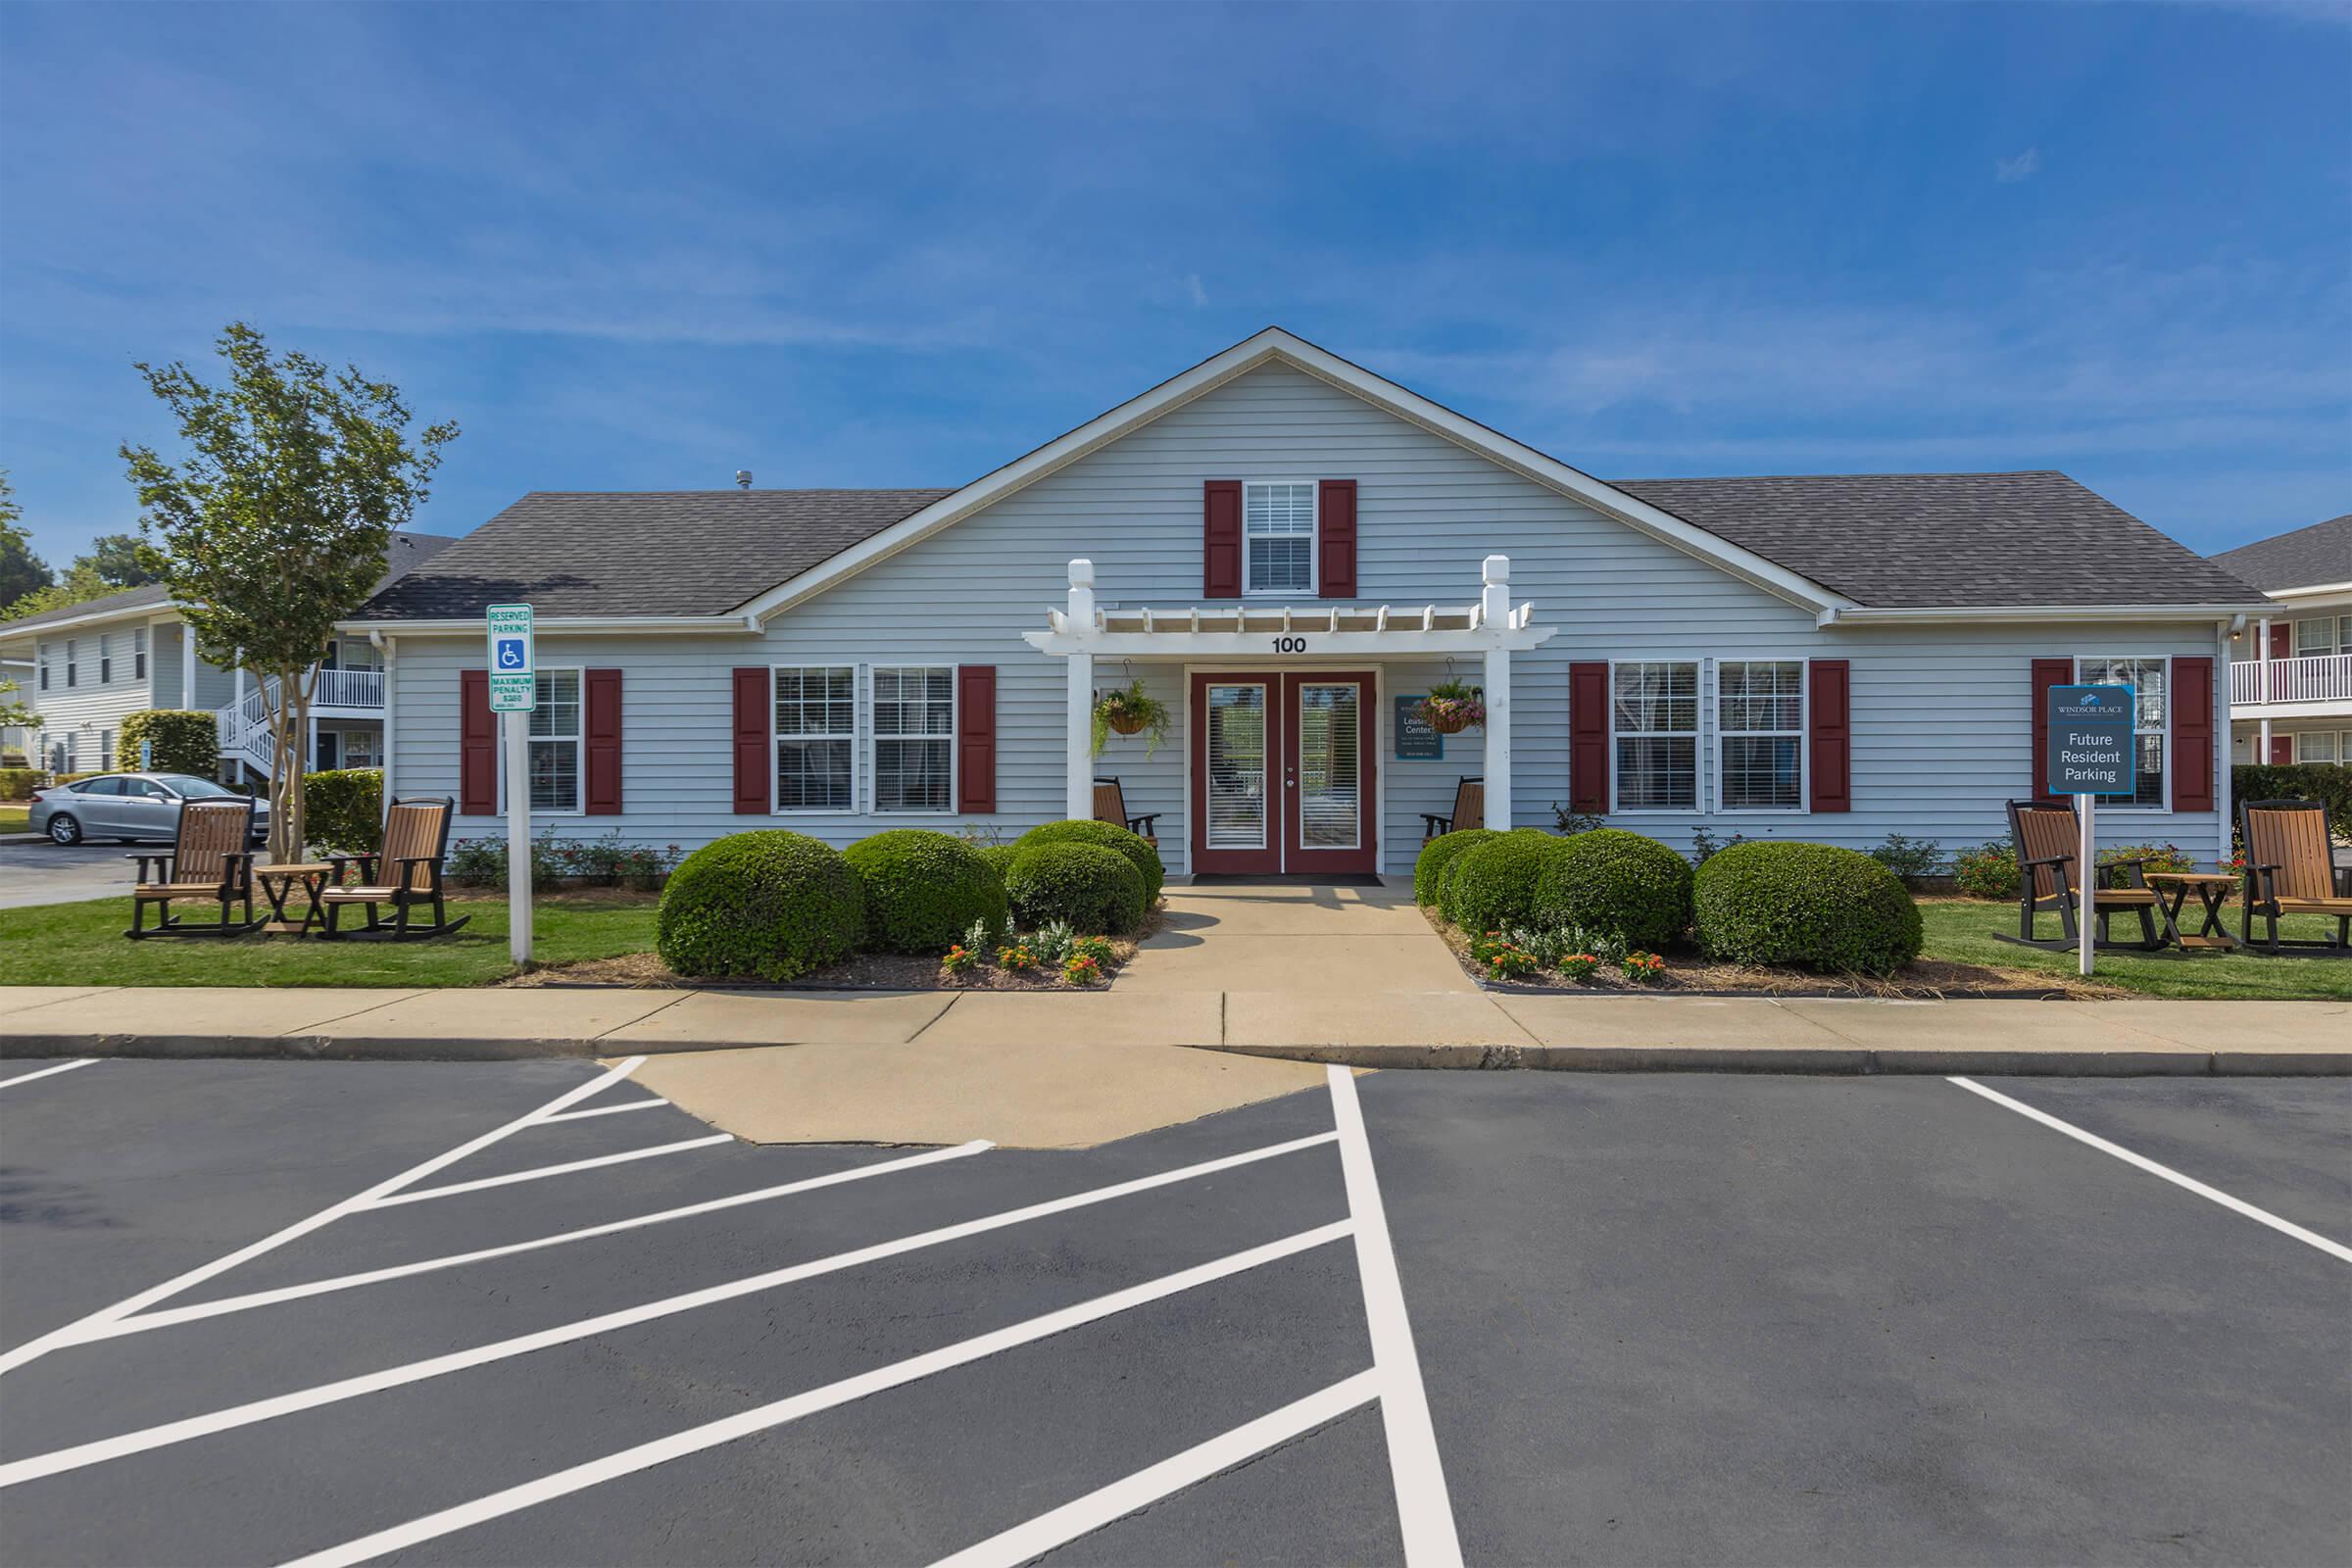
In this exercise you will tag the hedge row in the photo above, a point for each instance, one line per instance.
(182, 741)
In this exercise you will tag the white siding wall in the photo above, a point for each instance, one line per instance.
(1941, 725)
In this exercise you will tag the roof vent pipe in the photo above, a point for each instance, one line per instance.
(743, 479)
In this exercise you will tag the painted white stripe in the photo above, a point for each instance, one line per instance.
(710, 1435)
(81, 1328)
(46, 1072)
(2236, 1205)
(1424, 1511)
(542, 1172)
(605, 1111)
(1049, 1531)
(171, 1315)
(310, 1398)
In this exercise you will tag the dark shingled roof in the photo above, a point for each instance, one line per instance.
(1949, 539)
(409, 551)
(643, 553)
(2303, 559)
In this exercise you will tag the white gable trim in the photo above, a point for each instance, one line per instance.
(1270, 346)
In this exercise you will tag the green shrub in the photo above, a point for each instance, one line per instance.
(998, 857)
(17, 783)
(1616, 884)
(1110, 836)
(1987, 870)
(1908, 858)
(343, 810)
(1091, 888)
(1438, 855)
(2324, 782)
(1813, 906)
(1492, 883)
(772, 905)
(924, 889)
(184, 741)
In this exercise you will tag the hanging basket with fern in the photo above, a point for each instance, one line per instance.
(1453, 707)
(1129, 710)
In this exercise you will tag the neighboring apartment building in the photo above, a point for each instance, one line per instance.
(1287, 550)
(93, 664)
(2290, 672)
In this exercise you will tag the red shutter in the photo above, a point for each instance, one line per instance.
(2283, 750)
(976, 737)
(754, 713)
(2047, 672)
(603, 740)
(1830, 721)
(2192, 734)
(1334, 539)
(1588, 736)
(1221, 539)
(477, 745)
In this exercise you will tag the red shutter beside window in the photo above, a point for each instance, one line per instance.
(601, 734)
(1588, 736)
(477, 745)
(2047, 672)
(2192, 734)
(1334, 539)
(976, 737)
(754, 715)
(1221, 539)
(1831, 737)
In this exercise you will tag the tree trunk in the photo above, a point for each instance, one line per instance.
(289, 726)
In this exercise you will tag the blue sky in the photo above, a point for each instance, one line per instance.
(643, 247)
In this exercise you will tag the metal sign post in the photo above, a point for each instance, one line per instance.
(515, 693)
(2087, 738)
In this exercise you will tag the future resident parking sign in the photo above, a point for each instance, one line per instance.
(2090, 748)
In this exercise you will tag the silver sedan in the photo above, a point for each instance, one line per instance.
(128, 807)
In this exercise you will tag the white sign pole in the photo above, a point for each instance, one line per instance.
(2086, 872)
(518, 837)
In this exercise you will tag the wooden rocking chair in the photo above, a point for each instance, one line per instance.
(1111, 805)
(210, 858)
(2290, 869)
(1469, 811)
(2048, 836)
(406, 873)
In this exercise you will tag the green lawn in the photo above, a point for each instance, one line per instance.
(1962, 930)
(12, 819)
(82, 945)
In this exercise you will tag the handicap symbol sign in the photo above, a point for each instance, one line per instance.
(511, 654)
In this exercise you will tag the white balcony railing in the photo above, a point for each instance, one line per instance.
(349, 688)
(2317, 678)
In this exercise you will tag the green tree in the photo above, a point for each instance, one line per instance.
(274, 524)
(121, 560)
(79, 585)
(20, 571)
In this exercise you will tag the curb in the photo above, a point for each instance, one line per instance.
(348, 1048)
(1831, 1060)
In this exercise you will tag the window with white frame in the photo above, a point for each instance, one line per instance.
(106, 748)
(555, 742)
(48, 658)
(913, 738)
(106, 658)
(1655, 718)
(2324, 746)
(2322, 634)
(2150, 705)
(1760, 717)
(816, 738)
(138, 654)
(72, 662)
(1278, 536)
(359, 748)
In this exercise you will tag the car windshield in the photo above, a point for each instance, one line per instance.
(190, 785)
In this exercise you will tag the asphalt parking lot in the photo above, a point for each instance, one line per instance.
(258, 1312)
(37, 871)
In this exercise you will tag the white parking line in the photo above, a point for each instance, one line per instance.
(1424, 1511)
(222, 1305)
(80, 1327)
(46, 1072)
(542, 1172)
(1025, 1542)
(2236, 1205)
(157, 1437)
(603, 1110)
(710, 1435)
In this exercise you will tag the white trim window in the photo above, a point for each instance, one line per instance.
(2321, 635)
(106, 658)
(106, 748)
(1278, 536)
(554, 743)
(2149, 680)
(138, 654)
(816, 738)
(73, 662)
(47, 654)
(912, 755)
(2332, 746)
(1653, 717)
(1760, 724)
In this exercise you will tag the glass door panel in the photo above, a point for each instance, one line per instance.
(1237, 768)
(1330, 791)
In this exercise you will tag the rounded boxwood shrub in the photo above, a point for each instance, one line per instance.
(1110, 836)
(923, 889)
(1615, 883)
(998, 857)
(1810, 905)
(772, 904)
(1094, 889)
(1492, 883)
(1440, 853)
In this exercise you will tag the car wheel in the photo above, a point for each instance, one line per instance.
(63, 829)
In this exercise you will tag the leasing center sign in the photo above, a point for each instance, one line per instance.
(2089, 740)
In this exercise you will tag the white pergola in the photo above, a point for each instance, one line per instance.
(1491, 630)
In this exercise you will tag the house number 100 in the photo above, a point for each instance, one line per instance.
(1289, 645)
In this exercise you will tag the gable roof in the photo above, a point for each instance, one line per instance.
(408, 552)
(1949, 540)
(2306, 557)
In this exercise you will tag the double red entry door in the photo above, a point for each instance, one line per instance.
(1283, 773)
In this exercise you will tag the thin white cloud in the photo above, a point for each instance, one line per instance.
(2025, 165)
(1191, 283)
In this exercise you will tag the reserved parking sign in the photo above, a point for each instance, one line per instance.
(514, 673)
(2089, 741)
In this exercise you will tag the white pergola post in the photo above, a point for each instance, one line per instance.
(1080, 804)
(187, 666)
(2262, 675)
(1494, 618)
